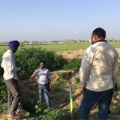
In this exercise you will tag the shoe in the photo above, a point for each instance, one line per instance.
(18, 112)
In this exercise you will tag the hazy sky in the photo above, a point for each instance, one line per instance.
(57, 19)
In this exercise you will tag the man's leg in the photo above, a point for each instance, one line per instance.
(10, 99)
(109, 101)
(46, 94)
(89, 99)
(103, 104)
(11, 86)
(20, 105)
(40, 90)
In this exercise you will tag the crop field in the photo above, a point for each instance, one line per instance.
(60, 46)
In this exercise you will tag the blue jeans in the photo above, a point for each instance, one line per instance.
(44, 89)
(90, 98)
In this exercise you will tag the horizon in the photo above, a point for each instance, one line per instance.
(69, 40)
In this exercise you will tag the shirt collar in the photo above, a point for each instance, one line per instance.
(10, 51)
(43, 69)
(100, 41)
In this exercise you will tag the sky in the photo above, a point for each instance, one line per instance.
(46, 20)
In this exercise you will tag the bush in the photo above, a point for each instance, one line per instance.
(62, 76)
(3, 96)
(30, 58)
(73, 64)
(29, 105)
(46, 114)
(3, 92)
(3, 108)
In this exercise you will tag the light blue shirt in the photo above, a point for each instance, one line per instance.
(43, 76)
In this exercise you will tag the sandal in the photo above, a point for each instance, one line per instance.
(13, 116)
(17, 112)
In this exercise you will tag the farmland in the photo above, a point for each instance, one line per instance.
(61, 70)
(60, 46)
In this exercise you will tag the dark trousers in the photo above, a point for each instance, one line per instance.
(13, 95)
(109, 100)
(90, 98)
(110, 97)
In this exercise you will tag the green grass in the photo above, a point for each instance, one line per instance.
(60, 46)
(55, 47)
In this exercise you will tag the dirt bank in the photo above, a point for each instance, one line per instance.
(76, 53)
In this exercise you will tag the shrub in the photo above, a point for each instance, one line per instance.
(62, 76)
(29, 105)
(73, 64)
(3, 92)
(3, 108)
(46, 114)
(77, 80)
(52, 114)
(30, 58)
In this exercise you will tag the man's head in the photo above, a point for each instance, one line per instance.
(13, 45)
(98, 34)
(42, 64)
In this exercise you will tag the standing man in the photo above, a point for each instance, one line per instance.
(98, 75)
(43, 79)
(10, 78)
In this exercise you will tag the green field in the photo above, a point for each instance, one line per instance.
(61, 46)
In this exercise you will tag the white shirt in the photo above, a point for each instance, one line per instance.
(9, 66)
(43, 76)
(99, 68)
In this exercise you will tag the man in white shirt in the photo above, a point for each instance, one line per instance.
(44, 83)
(10, 78)
(98, 75)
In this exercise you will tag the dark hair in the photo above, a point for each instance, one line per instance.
(43, 61)
(99, 32)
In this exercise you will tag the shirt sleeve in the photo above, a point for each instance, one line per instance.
(8, 64)
(115, 70)
(84, 70)
(37, 72)
(12, 65)
(48, 75)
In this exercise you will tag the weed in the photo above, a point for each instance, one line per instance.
(73, 64)
(77, 80)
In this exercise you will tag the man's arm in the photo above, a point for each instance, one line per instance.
(34, 74)
(84, 70)
(9, 65)
(49, 81)
(115, 71)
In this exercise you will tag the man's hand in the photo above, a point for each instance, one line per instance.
(50, 87)
(21, 68)
(36, 72)
(82, 90)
